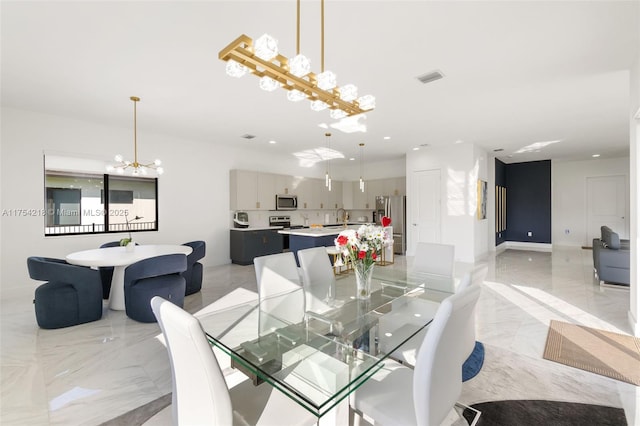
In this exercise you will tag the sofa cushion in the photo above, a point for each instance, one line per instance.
(611, 239)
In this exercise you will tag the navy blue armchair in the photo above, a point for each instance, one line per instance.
(156, 276)
(193, 274)
(106, 272)
(72, 295)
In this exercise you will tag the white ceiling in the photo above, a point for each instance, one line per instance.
(516, 73)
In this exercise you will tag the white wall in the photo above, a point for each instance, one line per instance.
(569, 197)
(193, 194)
(460, 165)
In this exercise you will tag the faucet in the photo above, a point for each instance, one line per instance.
(344, 217)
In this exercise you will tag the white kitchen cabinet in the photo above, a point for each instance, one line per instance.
(251, 190)
(243, 192)
(304, 193)
(394, 186)
(335, 196)
(266, 191)
(318, 194)
(373, 189)
(359, 197)
(284, 184)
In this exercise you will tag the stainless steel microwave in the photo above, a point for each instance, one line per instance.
(286, 202)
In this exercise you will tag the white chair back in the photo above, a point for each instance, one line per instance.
(318, 279)
(431, 258)
(200, 394)
(279, 291)
(437, 380)
(465, 282)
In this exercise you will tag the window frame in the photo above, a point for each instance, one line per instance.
(106, 205)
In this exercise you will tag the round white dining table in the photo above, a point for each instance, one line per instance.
(120, 258)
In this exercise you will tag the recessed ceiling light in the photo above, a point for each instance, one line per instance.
(248, 136)
(323, 125)
(386, 138)
(272, 142)
(596, 155)
(458, 141)
(416, 148)
(352, 159)
(498, 150)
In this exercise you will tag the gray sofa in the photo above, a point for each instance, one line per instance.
(611, 258)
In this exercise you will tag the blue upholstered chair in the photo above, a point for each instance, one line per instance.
(155, 276)
(193, 274)
(72, 295)
(106, 272)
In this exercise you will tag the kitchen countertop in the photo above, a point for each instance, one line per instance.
(257, 228)
(317, 232)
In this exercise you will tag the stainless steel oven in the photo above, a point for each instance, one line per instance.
(285, 222)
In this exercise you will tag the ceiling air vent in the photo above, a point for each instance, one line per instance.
(430, 76)
(248, 136)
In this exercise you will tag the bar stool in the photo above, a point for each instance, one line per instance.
(337, 262)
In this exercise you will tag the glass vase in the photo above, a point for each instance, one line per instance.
(363, 280)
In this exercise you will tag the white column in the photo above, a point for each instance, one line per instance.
(634, 148)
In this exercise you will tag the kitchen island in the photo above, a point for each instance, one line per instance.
(300, 239)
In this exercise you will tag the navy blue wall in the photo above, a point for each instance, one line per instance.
(529, 201)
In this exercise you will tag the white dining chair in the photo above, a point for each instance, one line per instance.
(318, 279)
(408, 352)
(200, 395)
(425, 396)
(432, 258)
(280, 293)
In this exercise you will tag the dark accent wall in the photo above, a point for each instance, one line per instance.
(528, 201)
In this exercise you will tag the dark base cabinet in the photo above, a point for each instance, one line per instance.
(245, 245)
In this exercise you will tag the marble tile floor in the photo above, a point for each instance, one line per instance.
(88, 374)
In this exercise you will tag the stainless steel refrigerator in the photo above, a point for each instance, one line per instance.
(394, 206)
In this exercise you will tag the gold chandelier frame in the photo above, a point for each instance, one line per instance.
(241, 50)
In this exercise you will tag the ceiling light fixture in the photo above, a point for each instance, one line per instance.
(361, 167)
(327, 178)
(136, 167)
(262, 59)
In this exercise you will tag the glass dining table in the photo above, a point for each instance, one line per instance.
(318, 361)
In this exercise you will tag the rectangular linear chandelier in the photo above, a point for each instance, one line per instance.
(275, 70)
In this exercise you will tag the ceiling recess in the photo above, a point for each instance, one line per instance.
(430, 76)
(248, 136)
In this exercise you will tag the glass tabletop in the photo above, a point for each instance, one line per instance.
(403, 278)
(318, 361)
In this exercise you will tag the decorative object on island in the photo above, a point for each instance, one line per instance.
(361, 167)
(128, 242)
(263, 59)
(363, 246)
(136, 167)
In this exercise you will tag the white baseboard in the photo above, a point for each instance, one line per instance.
(520, 245)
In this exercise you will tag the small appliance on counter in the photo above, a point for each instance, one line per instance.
(241, 219)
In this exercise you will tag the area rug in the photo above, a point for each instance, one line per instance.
(602, 352)
(473, 364)
(540, 412)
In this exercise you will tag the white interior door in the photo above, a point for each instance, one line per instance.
(425, 208)
(606, 205)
